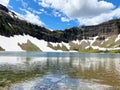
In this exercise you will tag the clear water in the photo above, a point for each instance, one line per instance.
(63, 71)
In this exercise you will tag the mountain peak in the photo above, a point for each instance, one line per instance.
(3, 8)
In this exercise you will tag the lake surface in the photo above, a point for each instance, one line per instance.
(60, 71)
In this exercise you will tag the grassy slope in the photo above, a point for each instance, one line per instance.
(29, 46)
(1, 49)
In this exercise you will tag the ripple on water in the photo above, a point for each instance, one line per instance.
(59, 82)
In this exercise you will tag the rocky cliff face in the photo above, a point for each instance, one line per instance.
(85, 38)
(103, 30)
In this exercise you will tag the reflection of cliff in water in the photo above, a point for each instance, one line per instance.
(101, 70)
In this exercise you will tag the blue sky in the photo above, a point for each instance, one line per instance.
(63, 14)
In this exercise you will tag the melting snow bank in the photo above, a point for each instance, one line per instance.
(11, 43)
(14, 43)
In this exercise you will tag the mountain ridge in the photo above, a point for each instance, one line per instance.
(75, 38)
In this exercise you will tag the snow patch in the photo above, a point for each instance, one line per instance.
(66, 44)
(98, 48)
(92, 41)
(10, 13)
(76, 42)
(61, 44)
(105, 40)
(83, 41)
(9, 24)
(43, 45)
(11, 43)
(13, 15)
(118, 38)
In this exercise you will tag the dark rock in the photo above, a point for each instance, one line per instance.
(10, 26)
(3, 8)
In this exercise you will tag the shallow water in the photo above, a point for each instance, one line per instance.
(63, 71)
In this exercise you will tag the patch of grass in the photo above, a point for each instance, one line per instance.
(97, 43)
(9, 77)
(114, 51)
(29, 46)
(92, 50)
(51, 46)
(64, 48)
(110, 43)
(1, 49)
(87, 50)
(58, 47)
(78, 47)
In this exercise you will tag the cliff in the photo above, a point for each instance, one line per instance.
(102, 37)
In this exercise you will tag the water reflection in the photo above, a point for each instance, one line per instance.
(84, 71)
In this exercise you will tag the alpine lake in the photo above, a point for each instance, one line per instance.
(59, 71)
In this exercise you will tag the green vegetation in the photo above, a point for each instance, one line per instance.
(29, 46)
(58, 47)
(1, 49)
(97, 51)
(10, 77)
(92, 50)
(110, 42)
(114, 51)
(10, 26)
(87, 50)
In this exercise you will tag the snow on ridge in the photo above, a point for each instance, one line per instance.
(61, 44)
(105, 40)
(83, 41)
(10, 13)
(92, 41)
(118, 38)
(76, 42)
(11, 43)
(99, 48)
(13, 15)
(43, 45)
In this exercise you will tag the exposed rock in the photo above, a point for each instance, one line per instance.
(11, 25)
(3, 8)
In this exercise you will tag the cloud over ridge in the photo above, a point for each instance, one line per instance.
(87, 12)
(4, 2)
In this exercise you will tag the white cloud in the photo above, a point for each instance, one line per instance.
(64, 19)
(100, 18)
(43, 11)
(4, 2)
(78, 8)
(31, 17)
(87, 12)
(34, 11)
